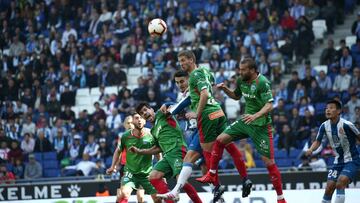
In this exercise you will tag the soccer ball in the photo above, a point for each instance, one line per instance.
(157, 27)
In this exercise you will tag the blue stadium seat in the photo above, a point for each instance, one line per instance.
(294, 153)
(283, 162)
(280, 154)
(50, 164)
(259, 164)
(108, 162)
(38, 156)
(49, 156)
(52, 173)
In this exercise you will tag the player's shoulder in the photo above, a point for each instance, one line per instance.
(262, 80)
(125, 134)
(346, 122)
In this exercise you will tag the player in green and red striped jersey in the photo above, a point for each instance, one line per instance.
(169, 140)
(255, 123)
(211, 120)
(137, 167)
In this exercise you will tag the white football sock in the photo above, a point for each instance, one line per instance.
(184, 175)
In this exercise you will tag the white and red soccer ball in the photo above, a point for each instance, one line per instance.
(157, 27)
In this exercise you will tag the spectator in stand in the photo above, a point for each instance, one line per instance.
(355, 28)
(304, 39)
(342, 81)
(306, 82)
(307, 122)
(113, 122)
(60, 144)
(293, 83)
(317, 164)
(312, 11)
(298, 93)
(328, 55)
(355, 52)
(28, 143)
(99, 113)
(297, 10)
(304, 68)
(76, 149)
(84, 167)
(304, 106)
(346, 60)
(42, 144)
(15, 152)
(33, 169)
(328, 13)
(353, 103)
(286, 138)
(4, 151)
(6, 176)
(355, 79)
(18, 169)
(315, 93)
(104, 150)
(324, 82)
(288, 23)
(91, 148)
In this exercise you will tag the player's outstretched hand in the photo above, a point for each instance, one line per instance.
(110, 170)
(134, 150)
(220, 86)
(248, 118)
(191, 115)
(308, 152)
(164, 109)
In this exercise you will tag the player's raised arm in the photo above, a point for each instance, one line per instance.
(230, 93)
(317, 143)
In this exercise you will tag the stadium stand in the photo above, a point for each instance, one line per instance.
(59, 58)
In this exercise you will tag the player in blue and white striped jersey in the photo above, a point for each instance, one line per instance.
(342, 136)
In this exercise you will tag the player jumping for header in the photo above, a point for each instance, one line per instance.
(342, 136)
(168, 140)
(256, 123)
(211, 120)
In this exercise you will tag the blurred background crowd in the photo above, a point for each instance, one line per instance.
(53, 49)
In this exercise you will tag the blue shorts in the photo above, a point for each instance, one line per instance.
(348, 169)
(194, 142)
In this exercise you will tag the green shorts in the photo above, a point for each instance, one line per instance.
(171, 163)
(137, 181)
(260, 135)
(210, 125)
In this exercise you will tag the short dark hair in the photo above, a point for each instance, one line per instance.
(336, 102)
(140, 106)
(181, 73)
(251, 64)
(188, 54)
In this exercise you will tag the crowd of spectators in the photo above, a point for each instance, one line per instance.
(51, 48)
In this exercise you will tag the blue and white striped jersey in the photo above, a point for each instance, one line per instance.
(183, 101)
(342, 138)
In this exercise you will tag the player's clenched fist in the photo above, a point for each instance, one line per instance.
(110, 170)
(220, 86)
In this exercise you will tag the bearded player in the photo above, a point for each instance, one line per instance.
(137, 167)
(255, 123)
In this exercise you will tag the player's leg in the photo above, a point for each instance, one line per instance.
(262, 139)
(329, 191)
(140, 193)
(348, 173)
(156, 178)
(125, 193)
(147, 188)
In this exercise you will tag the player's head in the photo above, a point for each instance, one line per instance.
(181, 80)
(145, 111)
(138, 121)
(247, 69)
(128, 123)
(187, 60)
(333, 109)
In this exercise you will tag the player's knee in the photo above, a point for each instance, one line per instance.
(224, 138)
(125, 193)
(191, 156)
(155, 175)
(330, 187)
(342, 182)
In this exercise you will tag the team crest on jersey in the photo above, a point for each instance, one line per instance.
(253, 88)
(341, 131)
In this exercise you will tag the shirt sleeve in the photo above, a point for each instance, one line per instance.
(201, 81)
(175, 109)
(320, 136)
(237, 91)
(265, 92)
(351, 130)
